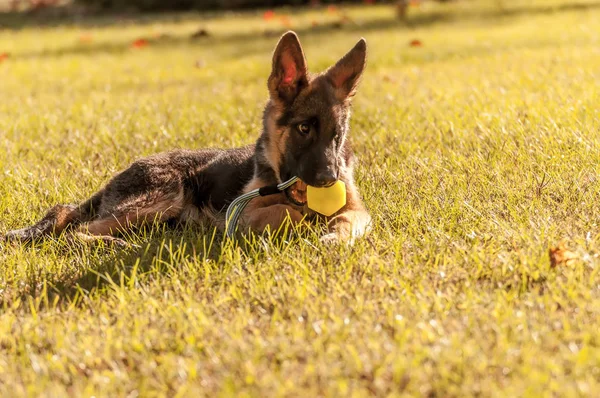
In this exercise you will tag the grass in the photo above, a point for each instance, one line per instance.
(477, 151)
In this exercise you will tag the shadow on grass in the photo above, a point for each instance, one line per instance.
(177, 252)
(15, 21)
(164, 251)
(161, 255)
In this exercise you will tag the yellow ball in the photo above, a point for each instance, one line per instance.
(328, 200)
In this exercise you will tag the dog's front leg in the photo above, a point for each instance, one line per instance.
(264, 214)
(272, 217)
(351, 222)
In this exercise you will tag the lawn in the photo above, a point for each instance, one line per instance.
(477, 151)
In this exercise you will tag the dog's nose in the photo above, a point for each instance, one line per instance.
(325, 178)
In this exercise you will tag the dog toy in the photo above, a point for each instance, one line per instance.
(323, 200)
(326, 200)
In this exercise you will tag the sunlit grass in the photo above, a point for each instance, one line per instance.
(475, 152)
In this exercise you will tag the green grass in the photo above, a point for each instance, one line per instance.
(477, 151)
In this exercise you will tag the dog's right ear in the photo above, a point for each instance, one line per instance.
(346, 74)
(289, 74)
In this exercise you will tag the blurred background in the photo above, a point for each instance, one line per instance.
(401, 6)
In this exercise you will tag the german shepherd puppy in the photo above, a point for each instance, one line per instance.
(305, 128)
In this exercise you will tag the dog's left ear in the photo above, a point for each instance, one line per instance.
(346, 73)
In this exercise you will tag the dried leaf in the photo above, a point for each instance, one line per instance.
(269, 15)
(139, 43)
(559, 255)
(85, 38)
(415, 43)
(4, 56)
(199, 33)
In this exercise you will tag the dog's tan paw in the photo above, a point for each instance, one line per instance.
(120, 243)
(331, 238)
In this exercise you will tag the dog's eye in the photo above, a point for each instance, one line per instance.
(303, 128)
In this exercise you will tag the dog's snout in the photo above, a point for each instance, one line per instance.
(325, 178)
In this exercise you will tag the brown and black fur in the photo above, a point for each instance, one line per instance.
(184, 186)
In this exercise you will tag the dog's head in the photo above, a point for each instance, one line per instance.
(306, 118)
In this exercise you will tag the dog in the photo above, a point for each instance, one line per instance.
(305, 128)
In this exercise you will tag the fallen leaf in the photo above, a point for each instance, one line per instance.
(200, 64)
(4, 56)
(269, 15)
(139, 43)
(332, 9)
(85, 38)
(559, 255)
(200, 33)
(415, 43)
(415, 3)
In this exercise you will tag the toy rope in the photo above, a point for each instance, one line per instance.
(235, 209)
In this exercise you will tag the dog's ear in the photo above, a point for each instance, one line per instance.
(346, 73)
(289, 74)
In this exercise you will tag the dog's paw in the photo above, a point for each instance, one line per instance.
(109, 241)
(331, 238)
(119, 243)
(16, 236)
(335, 238)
